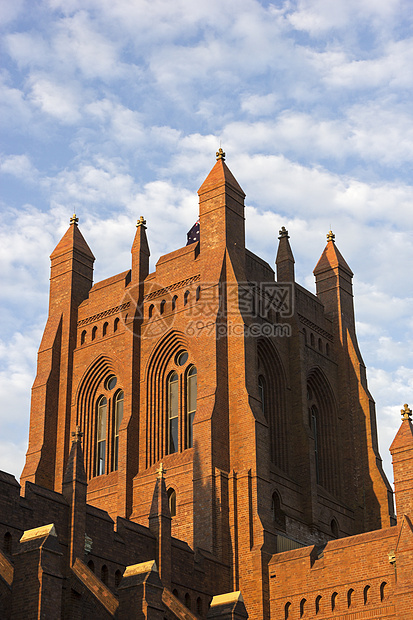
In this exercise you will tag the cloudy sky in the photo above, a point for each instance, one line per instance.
(115, 110)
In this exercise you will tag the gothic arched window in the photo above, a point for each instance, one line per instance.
(172, 501)
(324, 431)
(191, 404)
(261, 391)
(118, 420)
(173, 412)
(102, 409)
(181, 397)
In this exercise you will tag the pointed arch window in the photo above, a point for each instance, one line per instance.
(173, 412)
(261, 391)
(191, 404)
(118, 420)
(181, 402)
(313, 418)
(172, 501)
(102, 410)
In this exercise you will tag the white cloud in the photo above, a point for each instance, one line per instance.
(61, 101)
(318, 16)
(19, 166)
(9, 11)
(259, 105)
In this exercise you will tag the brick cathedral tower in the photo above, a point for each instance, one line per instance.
(245, 390)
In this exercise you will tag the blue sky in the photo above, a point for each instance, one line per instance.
(115, 110)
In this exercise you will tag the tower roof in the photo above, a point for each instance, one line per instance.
(404, 436)
(331, 258)
(220, 175)
(72, 240)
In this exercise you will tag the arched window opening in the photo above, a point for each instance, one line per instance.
(172, 502)
(116, 324)
(278, 515)
(198, 293)
(174, 300)
(261, 391)
(118, 578)
(104, 574)
(287, 610)
(327, 349)
(118, 420)
(91, 565)
(318, 604)
(83, 337)
(7, 543)
(333, 600)
(199, 606)
(175, 593)
(349, 597)
(186, 297)
(383, 591)
(366, 594)
(187, 601)
(173, 411)
(94, 330)
(191, 404)
(313, 417)
(162, 306)
(305, 335)
(150, 311)
(334, 528)
(320, 345)
(302, 607)
(102, 408)
(105, 328)
(312, 340)
(272, 393)
(323, 421)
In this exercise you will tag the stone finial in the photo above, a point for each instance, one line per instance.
(77, 434)
(283, 233)
(220, 154)
(74, 220)
(161, 471)
(406, 412)
(141, 222)
(331, 236)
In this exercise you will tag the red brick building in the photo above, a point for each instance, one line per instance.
(189, 425)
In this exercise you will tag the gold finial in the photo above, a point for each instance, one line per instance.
(141, 222)
(77, 434)
(406, 412)
(74, 220)
(220, 154)
(161, 471)
(283, 233)
(331, 236)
